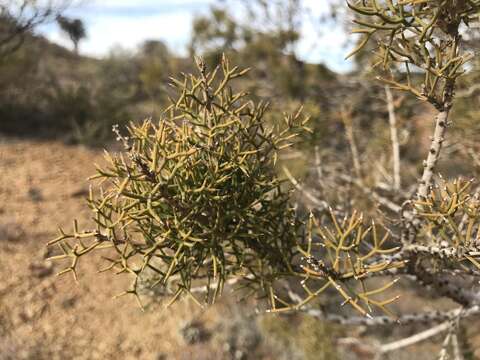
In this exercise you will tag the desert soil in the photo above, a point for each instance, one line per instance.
(43, 316)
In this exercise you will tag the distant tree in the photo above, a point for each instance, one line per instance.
(18, 17)
(154, 63)
(215, 33)
(222, 31)
(265, 38)
(74, 28)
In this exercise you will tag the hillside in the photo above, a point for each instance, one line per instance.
(47, 91)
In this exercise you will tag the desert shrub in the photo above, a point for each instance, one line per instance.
(41, 96)
(155, 64)
(197, 196)
(17, 75)
(85, 115)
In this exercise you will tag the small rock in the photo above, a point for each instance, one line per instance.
(68, 303)
(35, 194)
(80, 192)
(11, 231)
(41, 269)
(161, 356)
(193, 332)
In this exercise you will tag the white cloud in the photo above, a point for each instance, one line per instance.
(173, 28)
(324, 42)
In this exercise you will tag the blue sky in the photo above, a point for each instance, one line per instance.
(128, 23)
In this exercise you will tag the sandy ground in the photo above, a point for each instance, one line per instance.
(42, 316)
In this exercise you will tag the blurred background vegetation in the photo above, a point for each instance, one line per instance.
(48, 91)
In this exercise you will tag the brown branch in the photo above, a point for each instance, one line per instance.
(441, 123)
(347, 121)
(457, 353)
(370, 192)
(430, 163)
(411, 340)
(322, 205)
(392, 119)
(454, 253)
(427, 318)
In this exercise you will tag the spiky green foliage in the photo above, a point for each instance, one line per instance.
(417, 35)
(196, 195)
(341, 254)
(452, 214)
